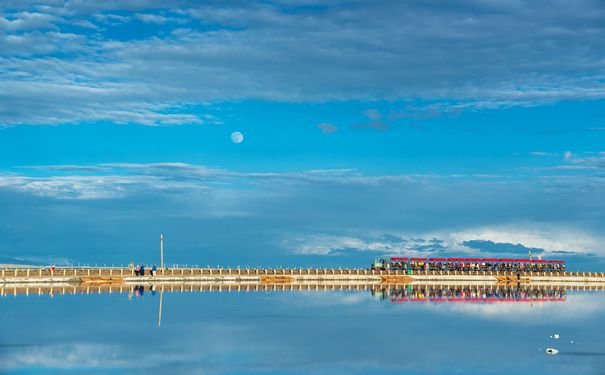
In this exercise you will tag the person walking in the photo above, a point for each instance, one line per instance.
(154, 270)
(142, 270)
(137, 271)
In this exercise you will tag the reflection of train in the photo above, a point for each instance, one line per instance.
(469, 264)
(481, 293)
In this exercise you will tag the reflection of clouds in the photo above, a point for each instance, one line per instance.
(277, 356)
(103, 357)
(328, 299)
(575, 306)
(66, 356)
(201, 345)
(308, 332)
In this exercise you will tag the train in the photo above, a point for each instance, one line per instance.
(469, 264)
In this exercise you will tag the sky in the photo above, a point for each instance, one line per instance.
(371, 128)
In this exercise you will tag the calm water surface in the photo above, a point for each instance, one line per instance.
(298, 332)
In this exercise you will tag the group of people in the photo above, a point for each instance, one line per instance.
(140, 269)
(476, 266)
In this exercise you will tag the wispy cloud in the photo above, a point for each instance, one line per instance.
(152, 18)
(381, 245)
(545, 154)
(68, 168)
(327, 128)
(592, 161)
(29, 21)
(114, 180)
(376, 125)
(373, 114)
(106, 180)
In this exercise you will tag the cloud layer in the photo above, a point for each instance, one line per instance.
(145, 63)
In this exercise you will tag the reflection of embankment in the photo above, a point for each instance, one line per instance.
(416, 292)
(176, 287)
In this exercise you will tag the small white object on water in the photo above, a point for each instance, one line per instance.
(551, 351)
(555, 336)
(571, 341)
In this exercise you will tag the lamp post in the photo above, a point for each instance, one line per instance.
(161, 251)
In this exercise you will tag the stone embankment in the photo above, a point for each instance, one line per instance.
(284, 276)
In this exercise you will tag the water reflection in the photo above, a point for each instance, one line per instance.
(300, 329)
(470, 294)
(473, 293)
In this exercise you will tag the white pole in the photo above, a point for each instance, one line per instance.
(160, 311)
(161, 250)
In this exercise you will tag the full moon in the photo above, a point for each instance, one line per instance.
(237, 137)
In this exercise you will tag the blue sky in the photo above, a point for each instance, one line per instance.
(371, 128)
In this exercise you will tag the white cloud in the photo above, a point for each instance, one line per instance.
(152, 18)
(93, 187)
(118, 180)
(118, 102)
(542, 153)
(134, 177)
(29, 21)
(594, 160)
(548, 237)
(327, 245)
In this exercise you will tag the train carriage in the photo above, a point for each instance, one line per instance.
(469, 264)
